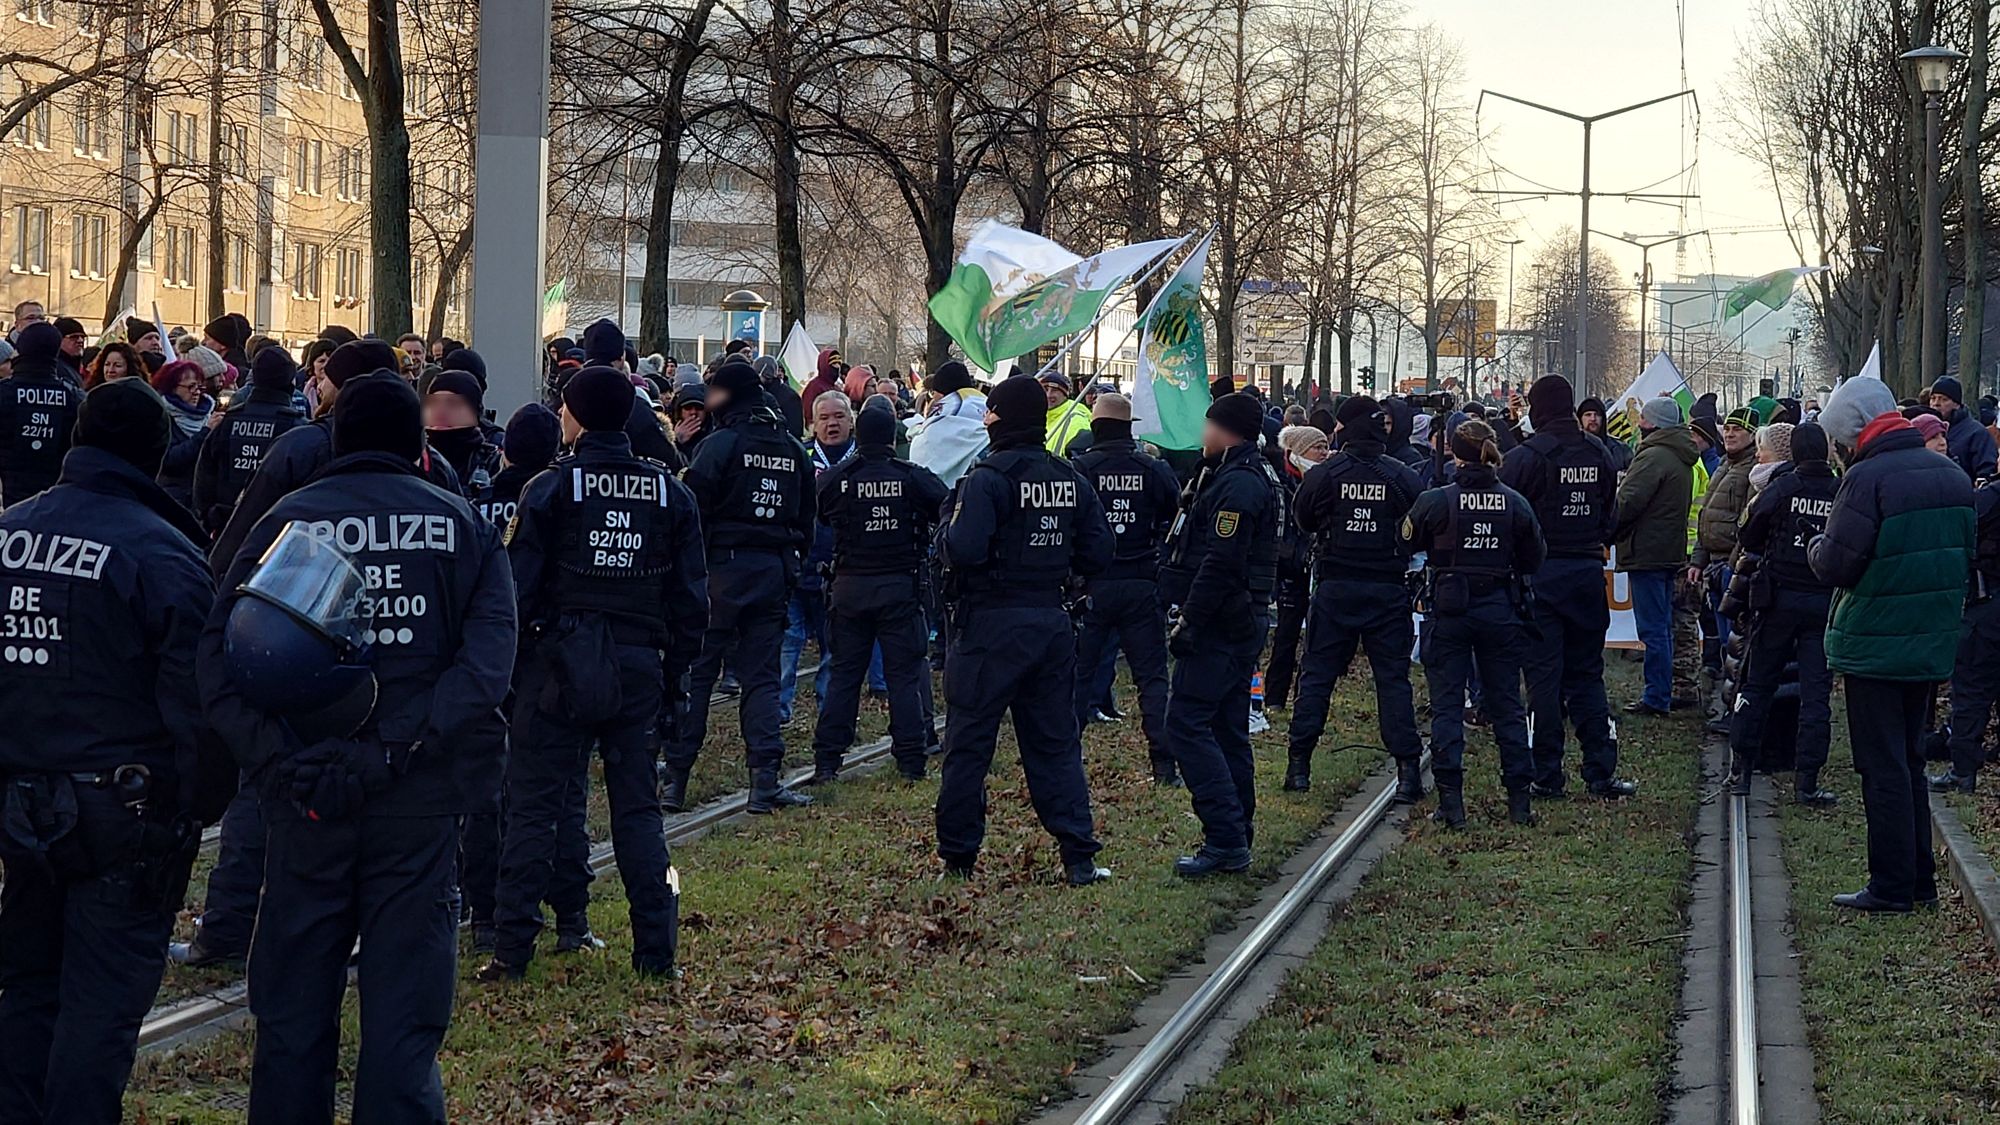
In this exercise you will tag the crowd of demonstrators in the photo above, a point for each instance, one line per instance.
(378, 635)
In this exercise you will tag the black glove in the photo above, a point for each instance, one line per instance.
(1181, 641)
(330, 780)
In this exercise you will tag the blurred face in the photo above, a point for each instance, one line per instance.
(72, 344)
(1736, 439)
(7, 369)
(150, 342)
(1215, 440)
(28, 312)
(572, 429)
(1317, 451)
(1943, 404)
(414, 347)
(1593, 422)
(189, 389)
(832, 421)
(1936, 444)
(114, 366)
(319, 363)
(447, 411)
(1054, 395)
(436, 350)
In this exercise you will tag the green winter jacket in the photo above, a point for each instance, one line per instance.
(1722, 507)
(1653, 501)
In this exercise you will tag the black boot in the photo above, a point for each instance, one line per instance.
(673, 788)
(1520, 807)
(1409, 782)
(1451, 806)
(1211, 861)
(1807, 791)
(1298, 774)
(767, 795)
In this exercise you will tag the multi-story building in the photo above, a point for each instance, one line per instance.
(228, 146)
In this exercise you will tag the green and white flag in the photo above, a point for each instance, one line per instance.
(1013, 291)
(1170, 388)
(1772, 290)
(1660, 377)
(555, 308)
(799, 355)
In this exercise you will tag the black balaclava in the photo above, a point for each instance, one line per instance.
(1021, 412)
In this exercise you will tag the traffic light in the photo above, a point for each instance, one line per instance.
(1368, 379)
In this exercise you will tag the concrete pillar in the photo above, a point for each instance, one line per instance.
(510, 198)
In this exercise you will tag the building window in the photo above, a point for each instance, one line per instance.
(240, 35)
(305, 271)
(452, 179)
(308, 166)
(31, 240)
(89, 17)
(183, 136)
(310, 57)
(236, 263)
(351, 173)
(346, 275)
(347, 88)
(36, 11)
(417, 93)
(178, 272)
(420, 282)
(86, 245)
(32, 131)
(236, 150)
(92, 121)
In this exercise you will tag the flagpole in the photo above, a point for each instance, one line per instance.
(1107, 307)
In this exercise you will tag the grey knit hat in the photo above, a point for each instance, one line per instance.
(1853, 405)
(1659, 413)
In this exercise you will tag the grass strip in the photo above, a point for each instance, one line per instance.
(833, 977)
(1903, 1011)
(1495, 973)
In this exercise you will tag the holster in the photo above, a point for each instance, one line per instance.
(583, 677)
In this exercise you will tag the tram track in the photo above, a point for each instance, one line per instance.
(1194, 1037)
(189, 1019)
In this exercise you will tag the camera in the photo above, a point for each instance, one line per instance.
(1439, 401)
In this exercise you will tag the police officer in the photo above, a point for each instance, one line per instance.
(1975, 675)
(38, 406)
(533, 436)
(1570, 479)
(1352, 504)
(252, 424)
(1221, 567)
(1140, 496)
(1025, 523)
(105, 785)
(1482, 543)
(610, 571)
(753, 483)
(881, 509)
(454, 406)
(294, 457)
(363, 829)
(1789, 605)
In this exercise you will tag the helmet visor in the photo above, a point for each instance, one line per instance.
(314, 581)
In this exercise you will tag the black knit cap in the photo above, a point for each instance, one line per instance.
(137, 330)
(1239, 414)
(736, 377)
(603, 343)
(360, 357)
(953, 376)
(228, 329)
(534, 434)
(69, 326)
(1551, 400)
(462, 384)
(1808, 442)
(40, 340)
(274, 369)
(339, 334)
(1356, 407)
(1019, 401)
(468, 361)
(876, 425)
(378, 413)
(600, 398)
(128, 419)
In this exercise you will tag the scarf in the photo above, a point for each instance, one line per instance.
(190, 419)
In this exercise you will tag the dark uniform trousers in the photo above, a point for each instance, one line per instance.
(1885, 723)
(1975, 685)
(1564, 669)
(569, 880)
(1374, 616)
(388, 881)
(80, 962)
(229, 909)
(1208, 726)
(1022, 659)
(550, 752)
(1794, 628)
(1487, 636)
(1125, 614)
(867, 610)
(747, 592)
(1283, 671)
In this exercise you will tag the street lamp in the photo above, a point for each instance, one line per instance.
(1932, 67)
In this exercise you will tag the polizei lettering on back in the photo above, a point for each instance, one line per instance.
(1482, 501)
(1121, 482)
(40, 396)
(65, 555)
(1817, 509)
(877, 489)
(769, 463)
(388, 532)
(1048, 494)
(644, 487)
(1579, 474)
(1352, 491)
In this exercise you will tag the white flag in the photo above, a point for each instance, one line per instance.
(799, 356)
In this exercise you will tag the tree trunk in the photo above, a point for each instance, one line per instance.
(128, 253)
(218, 238)
(1344, 333)
(940, 204)
(448, 267)
(1972, 204)
(655, 333)
(785, 168)
(380, 87)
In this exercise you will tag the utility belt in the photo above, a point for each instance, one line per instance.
(1452, 592)
(89, 824)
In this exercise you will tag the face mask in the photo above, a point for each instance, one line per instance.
(1300, 463)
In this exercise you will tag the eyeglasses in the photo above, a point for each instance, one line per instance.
(189, 385)
(75, 335)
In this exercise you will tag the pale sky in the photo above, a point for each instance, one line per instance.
(1590, 56)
